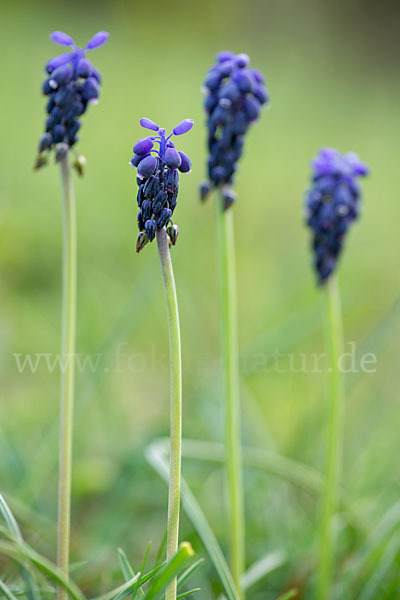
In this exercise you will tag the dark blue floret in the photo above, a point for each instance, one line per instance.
(235, 95)
(332, 204)
(72, 84)
(158, 163)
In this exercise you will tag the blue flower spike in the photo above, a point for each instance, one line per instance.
(71, 85)
(158, 163)
(332, 204)
(235, 96)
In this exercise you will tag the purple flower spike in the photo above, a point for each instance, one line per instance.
(332, 205)
(149, 124)
(158, 180)
(98, 40)
(235, 94)
(62, 38)
(71, 85)
(183, 127)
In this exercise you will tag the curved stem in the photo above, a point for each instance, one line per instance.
(230, 355)
(175, 402)
(67, 367)
(336, 399)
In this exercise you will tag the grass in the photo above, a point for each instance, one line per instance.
(324, 92)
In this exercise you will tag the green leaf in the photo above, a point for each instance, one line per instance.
(170, 570)
(155, 454)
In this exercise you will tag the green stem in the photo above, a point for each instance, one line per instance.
(336, 400)
(67, 368)
(230, 356)
(175, 403)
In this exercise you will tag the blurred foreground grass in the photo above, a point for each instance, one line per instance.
(331, 83)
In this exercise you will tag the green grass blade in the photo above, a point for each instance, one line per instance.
(10, 520)
(288, 595)
(22, 553)
(156, 456)
(187, 594)
(369, 554)
(121, 591)
(185, 576)
(6, 591)
(127, 570)
(171, 570)
(373, 586)
(137, 589)
(15, 533)
(261, 568)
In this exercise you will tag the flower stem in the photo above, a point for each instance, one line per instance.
(230, 356)
(67, 367)
(175, 402)
(336, 399)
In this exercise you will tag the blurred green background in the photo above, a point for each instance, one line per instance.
(332, 73)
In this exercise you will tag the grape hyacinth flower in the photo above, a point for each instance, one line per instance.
(332, 204)
(71, 84)
(158, 164)
(235, 95)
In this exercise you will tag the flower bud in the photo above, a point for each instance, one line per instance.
(163, 217)
(41, 160)
(228, 197)
(173, 232)
(45, 142)
(147, 209)
(186, 163)
(60, 76)
(204, 190)
(172, 158)
(59, 133)
(242, 60)
(84, 68)
(151, 187)
(149, 124)
(150, 229)
(61, 152)
(79, 165)
(90, 90)
(143, 146)
(183, 127)
(171, 180)
(141, 241)
(147, 166)
(159, 201)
